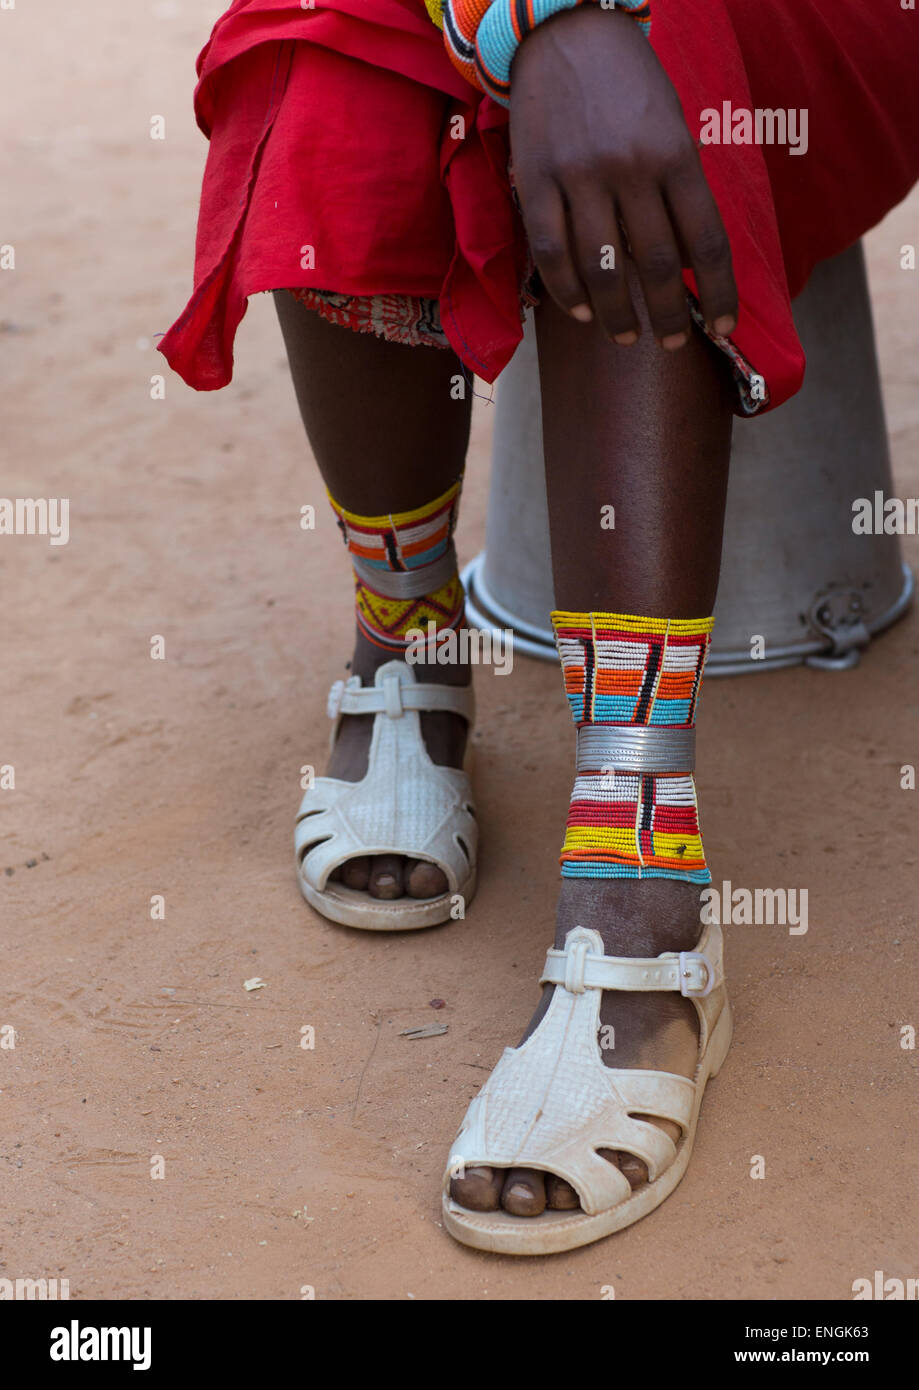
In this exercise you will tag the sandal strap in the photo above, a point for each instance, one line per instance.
(692, 973)
(393, 694)
(404, 804)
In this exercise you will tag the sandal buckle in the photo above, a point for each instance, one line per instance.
(576, 954)
(336, 695)
(687, 960)
(392, 697)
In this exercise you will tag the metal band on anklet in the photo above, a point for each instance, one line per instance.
(635, 748)
(406, 584)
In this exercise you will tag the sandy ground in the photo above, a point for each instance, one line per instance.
(284, 1166)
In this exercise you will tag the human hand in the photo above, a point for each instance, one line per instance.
(600, 144)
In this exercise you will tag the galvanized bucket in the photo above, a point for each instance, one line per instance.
(794, 572)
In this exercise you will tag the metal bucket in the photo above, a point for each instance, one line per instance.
(793, 571)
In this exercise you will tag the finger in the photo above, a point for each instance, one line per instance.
(698, 223)
(659, 265)
(601, 262)
(547, 232)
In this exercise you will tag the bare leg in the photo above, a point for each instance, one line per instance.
(387, 436)
(648, 432)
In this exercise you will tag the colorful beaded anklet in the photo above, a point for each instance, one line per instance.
(633, 685)
(405, 572)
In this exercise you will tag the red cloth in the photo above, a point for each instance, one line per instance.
(330, 128)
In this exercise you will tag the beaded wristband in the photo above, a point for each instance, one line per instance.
(506, 23)
(461, 19)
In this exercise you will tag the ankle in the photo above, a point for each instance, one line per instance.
(634, 917)
(368, 658)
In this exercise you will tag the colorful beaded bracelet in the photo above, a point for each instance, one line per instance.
(483, 36)
(461, 19)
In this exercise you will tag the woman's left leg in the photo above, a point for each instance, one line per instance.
(647, 432)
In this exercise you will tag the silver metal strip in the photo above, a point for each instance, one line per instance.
(635, 748)
(407, 583)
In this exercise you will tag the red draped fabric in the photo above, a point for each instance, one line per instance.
(347, 154)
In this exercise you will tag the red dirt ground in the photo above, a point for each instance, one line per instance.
(287, 1167)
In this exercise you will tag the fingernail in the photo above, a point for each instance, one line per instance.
(626, 339)
(582, 312)
(674, 341)
(725, 326)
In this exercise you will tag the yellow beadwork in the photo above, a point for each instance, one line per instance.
(628, 622)
(390, 619)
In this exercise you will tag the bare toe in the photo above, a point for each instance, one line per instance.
(386, 876)
(613, 1156)
(524, 1192)
(634, 1168)
(479, 1189)
(560, 1195)
(355, 873)
(424, 880)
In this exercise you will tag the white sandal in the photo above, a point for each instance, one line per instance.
(405, 804)
(552, 1102)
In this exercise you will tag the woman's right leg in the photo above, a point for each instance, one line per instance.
(388, 435)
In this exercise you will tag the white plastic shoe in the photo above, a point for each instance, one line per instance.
(405, 804)
(552, 1102)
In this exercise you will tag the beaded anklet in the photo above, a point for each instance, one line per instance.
(633, 684)
(405, 571)
(482, 36)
